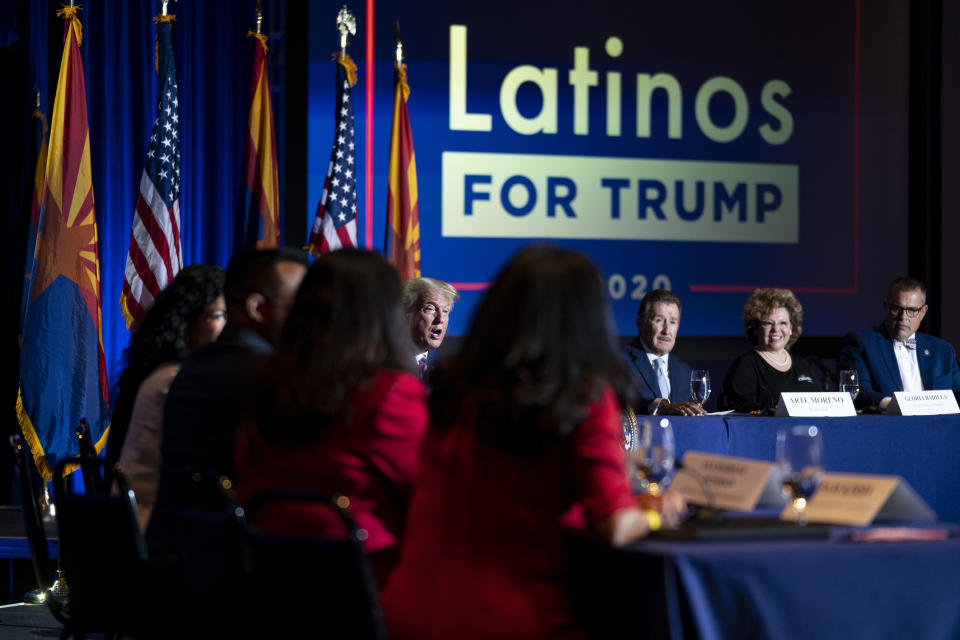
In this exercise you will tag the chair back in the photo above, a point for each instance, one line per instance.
(210, 544)
(91, 479)
(102, 552)
(328, 581)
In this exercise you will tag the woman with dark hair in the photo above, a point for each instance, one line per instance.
(339, 411)
(189, 313)
(523, 450)
(772, 322)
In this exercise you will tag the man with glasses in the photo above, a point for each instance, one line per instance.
(894, 356)
(428, 303)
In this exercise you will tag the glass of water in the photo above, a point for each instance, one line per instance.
(700, 385)
(850, 382)
(800, 464)
(652, 459)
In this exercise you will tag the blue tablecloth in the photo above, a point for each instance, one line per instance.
(924, 450)
(783, 589)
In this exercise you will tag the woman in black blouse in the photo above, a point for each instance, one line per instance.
(772, 321)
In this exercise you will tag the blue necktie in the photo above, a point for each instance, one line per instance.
(662, 378)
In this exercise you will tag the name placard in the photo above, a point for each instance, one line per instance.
(727, 482)
(820, 404)
(858, 499)
(922, 403)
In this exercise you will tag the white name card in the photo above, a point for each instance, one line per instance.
(922, 403)
(821, 404)
(858, 499)
(727, 482)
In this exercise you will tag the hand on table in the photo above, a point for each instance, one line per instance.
(671, 506)
(680, 409)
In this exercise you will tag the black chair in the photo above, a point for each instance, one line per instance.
(102, 553)
(31, 486)
(326, 583)
(91, 479)
(210, 532)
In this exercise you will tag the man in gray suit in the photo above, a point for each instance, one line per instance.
(664, 380)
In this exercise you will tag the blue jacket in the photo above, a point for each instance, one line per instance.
(870, 352)
(646, 377)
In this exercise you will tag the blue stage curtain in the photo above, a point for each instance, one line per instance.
(213, 59)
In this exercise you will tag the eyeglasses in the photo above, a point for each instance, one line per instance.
(909, 312)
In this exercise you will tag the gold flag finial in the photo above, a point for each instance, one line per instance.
(346, 23)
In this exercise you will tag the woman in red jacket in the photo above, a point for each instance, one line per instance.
(339, 413)
(523, 450)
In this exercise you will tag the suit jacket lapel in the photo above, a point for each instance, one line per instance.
(885, 345)
(641, 364)
(924, 361)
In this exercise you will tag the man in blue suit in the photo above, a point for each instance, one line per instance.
(894, 356)
(664, 380)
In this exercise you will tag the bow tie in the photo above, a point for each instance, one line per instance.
(910, 343)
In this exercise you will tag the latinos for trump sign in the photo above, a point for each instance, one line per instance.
(703, 147)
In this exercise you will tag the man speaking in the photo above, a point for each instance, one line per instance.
(428, 303)
(664, 379)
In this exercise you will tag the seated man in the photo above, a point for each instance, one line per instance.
(428, 303)
(664, 381)
(894, 356)
(205, 400)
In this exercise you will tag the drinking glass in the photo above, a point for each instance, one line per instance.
(652, 458)
(850, 382)
(800, 464)
(700, 385)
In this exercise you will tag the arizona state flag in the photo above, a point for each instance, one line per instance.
(36, 204)
(63, 376)
(402, 243)
(259, 222)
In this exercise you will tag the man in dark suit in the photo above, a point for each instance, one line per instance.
(206, 398)
(895, 356)
(428, 303)
(664, 380)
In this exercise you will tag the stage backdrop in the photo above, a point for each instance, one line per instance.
(703, 147)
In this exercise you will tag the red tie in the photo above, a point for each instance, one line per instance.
(423, 367)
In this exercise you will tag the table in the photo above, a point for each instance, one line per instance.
(925, 451)
(776, 589)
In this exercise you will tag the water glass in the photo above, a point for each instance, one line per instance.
(652, 458)
(700, 385)
(800, 464)
(850, 382)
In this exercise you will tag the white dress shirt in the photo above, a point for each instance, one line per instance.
(908, 365)
(655, 403)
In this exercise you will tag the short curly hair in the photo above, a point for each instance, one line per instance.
(764, 302)
(160, 338)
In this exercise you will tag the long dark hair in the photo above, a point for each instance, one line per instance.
(346, 323)
(161, 338)
(539, 351)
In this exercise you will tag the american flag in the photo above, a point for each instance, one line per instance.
(155, 254)
(335, 224)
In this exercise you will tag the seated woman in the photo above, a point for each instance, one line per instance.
(772, 321)
(189, 313)
(523, 449)
(338, 412)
